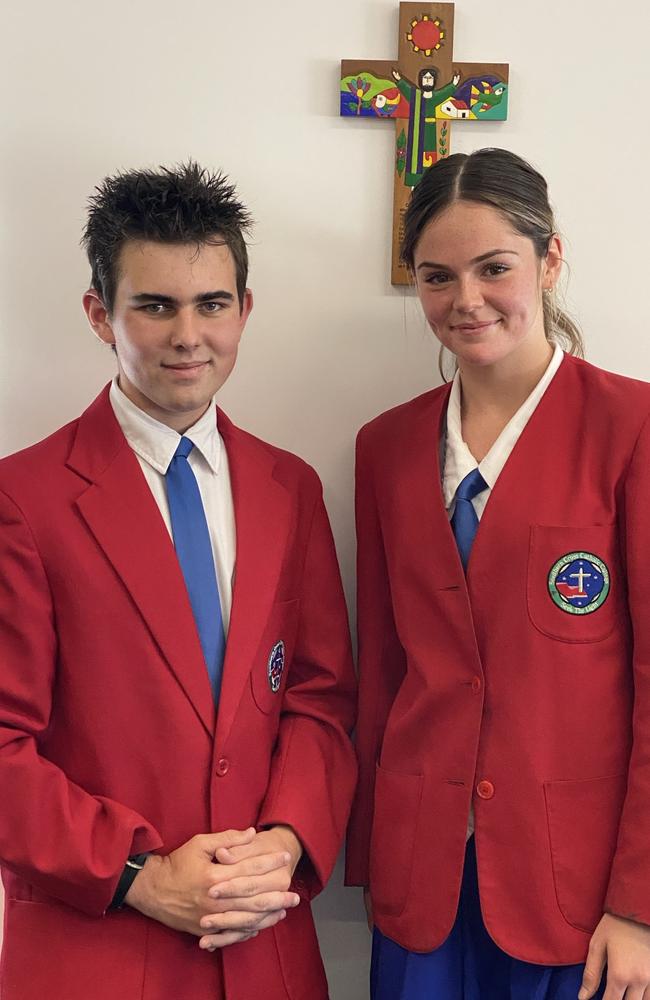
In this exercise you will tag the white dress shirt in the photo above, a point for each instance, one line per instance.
(154, 445)
(459, 461)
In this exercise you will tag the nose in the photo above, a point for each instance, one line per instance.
(469, 295)
(185, 334)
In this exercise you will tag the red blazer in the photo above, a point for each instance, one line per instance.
(482, 690)
(108, 744)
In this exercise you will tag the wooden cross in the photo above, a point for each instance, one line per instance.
(424, 91)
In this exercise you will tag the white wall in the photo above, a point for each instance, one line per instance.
(253, 88)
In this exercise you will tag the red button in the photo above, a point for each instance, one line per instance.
(477, 684)
(485, 789)
(223, 766)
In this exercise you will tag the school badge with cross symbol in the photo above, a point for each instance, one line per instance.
(424, 91)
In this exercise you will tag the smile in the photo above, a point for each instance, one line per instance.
(474, 327)
(187, 369)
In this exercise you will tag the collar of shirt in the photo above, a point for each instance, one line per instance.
(459, 461)
(155, 442)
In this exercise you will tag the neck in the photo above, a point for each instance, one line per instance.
(178, 420)
(502, 387)
(491, 395)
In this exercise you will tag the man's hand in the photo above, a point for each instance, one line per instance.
(251, 884)
(174, 889)
(396, 74)
(624, 946)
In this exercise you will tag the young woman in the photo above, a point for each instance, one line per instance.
(504, 592)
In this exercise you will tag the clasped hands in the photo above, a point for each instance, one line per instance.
(222, 887)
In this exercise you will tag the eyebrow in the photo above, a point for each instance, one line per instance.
(169, 300)
(475, 260)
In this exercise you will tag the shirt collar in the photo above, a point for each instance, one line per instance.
(156, 443)
(459, 460)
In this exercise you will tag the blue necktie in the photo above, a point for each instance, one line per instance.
(464, 521)
(194, 552)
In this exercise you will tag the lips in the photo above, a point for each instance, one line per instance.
(474, 327)
(186, 366)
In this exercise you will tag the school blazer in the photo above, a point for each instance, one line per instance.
(108, 740)
(483, 690)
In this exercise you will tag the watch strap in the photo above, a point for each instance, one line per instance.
(134, 864)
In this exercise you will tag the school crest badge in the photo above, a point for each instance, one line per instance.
(276, 666)
(579, 583)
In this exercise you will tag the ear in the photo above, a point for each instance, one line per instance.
(552, 263)
(246, 308)
(98, 317)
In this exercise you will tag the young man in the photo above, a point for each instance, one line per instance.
(177, 688)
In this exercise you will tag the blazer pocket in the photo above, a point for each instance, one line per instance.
(575, 588)
(274, 654)
(583, 818)
(392, 842)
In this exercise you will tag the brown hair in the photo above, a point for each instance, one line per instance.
(508, 183)
(183, 204)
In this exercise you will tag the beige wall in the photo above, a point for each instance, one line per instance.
(252, 87)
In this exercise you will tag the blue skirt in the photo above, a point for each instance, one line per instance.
(469, 965)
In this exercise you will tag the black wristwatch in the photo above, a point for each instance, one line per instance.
(134, 864)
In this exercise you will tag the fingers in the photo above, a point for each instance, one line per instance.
(615, 993)
(593, 971)
(237, 852)
(241, 925)
(264, 902)
(619, 986)
(634, 993)
(214, 941)
(277, 880)
(255, 866)
(210, 843)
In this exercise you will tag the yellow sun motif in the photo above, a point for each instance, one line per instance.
(426, 35)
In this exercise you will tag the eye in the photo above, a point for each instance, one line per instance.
(437, 278)
(212, 307)
(495, 268)
(155, 308)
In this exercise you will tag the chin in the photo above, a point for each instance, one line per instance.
(478, 357)
(188, 404)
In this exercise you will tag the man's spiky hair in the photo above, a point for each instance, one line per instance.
(182, 204)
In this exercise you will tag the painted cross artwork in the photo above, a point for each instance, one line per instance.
(424, 91)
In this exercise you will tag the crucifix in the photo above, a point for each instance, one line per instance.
(423, 91)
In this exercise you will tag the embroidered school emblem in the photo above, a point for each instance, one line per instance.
(579, 583)
(276, 666)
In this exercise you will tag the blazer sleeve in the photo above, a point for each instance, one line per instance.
(627, 894)
(313, 770)
(65, 842)
(382, 662)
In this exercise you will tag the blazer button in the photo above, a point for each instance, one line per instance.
(223, 765)
(477, 684)
(485, 789)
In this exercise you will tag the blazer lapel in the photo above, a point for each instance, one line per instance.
(262, 517)
(119, 509)
(528, 472)
(426, 535)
